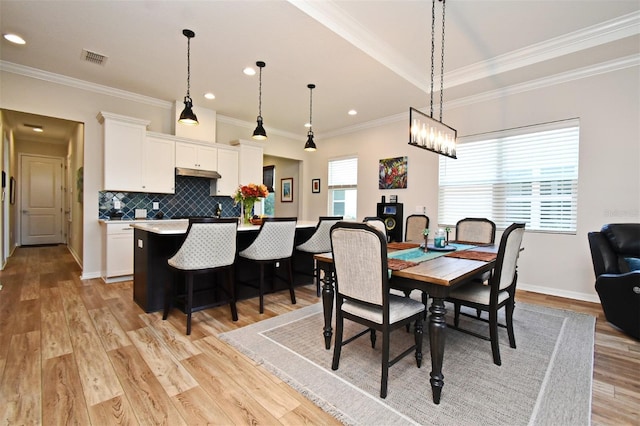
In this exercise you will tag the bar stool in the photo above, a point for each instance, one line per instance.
(210, 246)
(319, 242)
(274, 243)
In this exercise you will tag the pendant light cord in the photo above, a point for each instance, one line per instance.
(433, 48)
(310, 109)
(442, 62)
(260, 93)
(188, 66)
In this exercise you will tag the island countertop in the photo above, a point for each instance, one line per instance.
(179, 226)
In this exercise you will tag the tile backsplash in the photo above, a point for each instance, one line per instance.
(191, 199)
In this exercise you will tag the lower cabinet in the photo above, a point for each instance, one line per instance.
(118, 252)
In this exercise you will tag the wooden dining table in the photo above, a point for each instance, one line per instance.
(437, 277)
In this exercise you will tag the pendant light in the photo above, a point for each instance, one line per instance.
(425, 131)
(259, 133)
(310, 145)
(187, 116)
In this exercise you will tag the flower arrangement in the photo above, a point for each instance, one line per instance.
(247, 195)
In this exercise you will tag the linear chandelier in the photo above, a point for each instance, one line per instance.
(425, 131)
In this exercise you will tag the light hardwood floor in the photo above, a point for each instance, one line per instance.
(82, 352)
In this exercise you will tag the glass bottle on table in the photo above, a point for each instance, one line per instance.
(439, 240)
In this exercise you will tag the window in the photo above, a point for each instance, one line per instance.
(343, 191)
(268, 178)
(522, 175)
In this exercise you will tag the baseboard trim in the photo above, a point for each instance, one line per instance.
(560, 293)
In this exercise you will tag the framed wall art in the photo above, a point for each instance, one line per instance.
(286, 188)
(392, 173)
(315, 186)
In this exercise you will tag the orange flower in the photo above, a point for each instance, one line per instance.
(250, 192)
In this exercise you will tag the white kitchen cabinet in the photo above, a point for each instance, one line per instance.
(228, 169)
(249, 161)
(158, 168)
(196, 156)
(123, 140)
(118, 251)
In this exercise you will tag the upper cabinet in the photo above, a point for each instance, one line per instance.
(228, 169)
(158, 166)
(135, 161)
(196, 156)
(249, 161)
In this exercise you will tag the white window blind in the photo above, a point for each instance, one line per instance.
(343, 187)
(343, 173)
(523, 175)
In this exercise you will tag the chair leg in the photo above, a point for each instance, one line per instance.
(418, 333)
(189, 306)
(372, 337)
(493, 334)
(337, 345)
(232, 293)
(291, 291)
(509, 319)
(385, 363)
(261, 288)
(456, 315)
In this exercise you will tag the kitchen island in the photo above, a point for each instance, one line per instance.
(156, 241)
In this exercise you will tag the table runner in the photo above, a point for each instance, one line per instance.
(403, 259)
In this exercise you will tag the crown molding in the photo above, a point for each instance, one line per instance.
(82, 85)
(565, 77)
(334, 18)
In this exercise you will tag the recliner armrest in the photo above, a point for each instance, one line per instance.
(620, 299)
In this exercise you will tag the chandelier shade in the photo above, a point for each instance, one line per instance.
(187, 116)
(259, 133)
(310, 145)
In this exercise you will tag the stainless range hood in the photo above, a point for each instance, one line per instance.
(183, 171)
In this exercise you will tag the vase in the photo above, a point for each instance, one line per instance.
(247, 211)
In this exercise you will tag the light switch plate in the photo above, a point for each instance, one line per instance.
(156, 205)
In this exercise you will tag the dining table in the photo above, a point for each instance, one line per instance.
(434, 272)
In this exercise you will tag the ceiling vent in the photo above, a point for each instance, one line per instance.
(93, 57)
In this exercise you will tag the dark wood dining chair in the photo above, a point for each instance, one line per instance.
(414, 225)
(476, 230)
(273, 244)
(210, 246)
(499, 293)
(362, 294)
(319, 242)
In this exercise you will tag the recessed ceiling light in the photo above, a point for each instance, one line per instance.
(249, 71)
(353, 112)
(38, 129)
(209, 95)
(307, 124)
(14, 38)
(34, 127)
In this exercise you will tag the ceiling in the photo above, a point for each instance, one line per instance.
(371, 56)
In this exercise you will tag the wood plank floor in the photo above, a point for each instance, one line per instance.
(82, 352)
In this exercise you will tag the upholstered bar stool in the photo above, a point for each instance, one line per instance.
(319, 242)
(274, 243)
(210, 246)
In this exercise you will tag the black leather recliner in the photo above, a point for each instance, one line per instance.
(616, 283)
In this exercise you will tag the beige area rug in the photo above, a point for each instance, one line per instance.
(546, 380)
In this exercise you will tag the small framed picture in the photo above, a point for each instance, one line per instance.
(286, 187)
(315, 186)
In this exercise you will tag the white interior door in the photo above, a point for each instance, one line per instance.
(40, 189)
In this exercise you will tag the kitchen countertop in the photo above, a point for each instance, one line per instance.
(179, 226)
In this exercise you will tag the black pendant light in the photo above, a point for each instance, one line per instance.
(310, 145)
(187, 116)
(259, 133)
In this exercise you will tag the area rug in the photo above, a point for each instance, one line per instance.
(546, 380)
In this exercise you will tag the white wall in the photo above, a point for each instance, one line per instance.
(609, 189)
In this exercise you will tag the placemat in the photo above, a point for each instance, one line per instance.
(402, 246)
(397, 264)
(473, 255)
